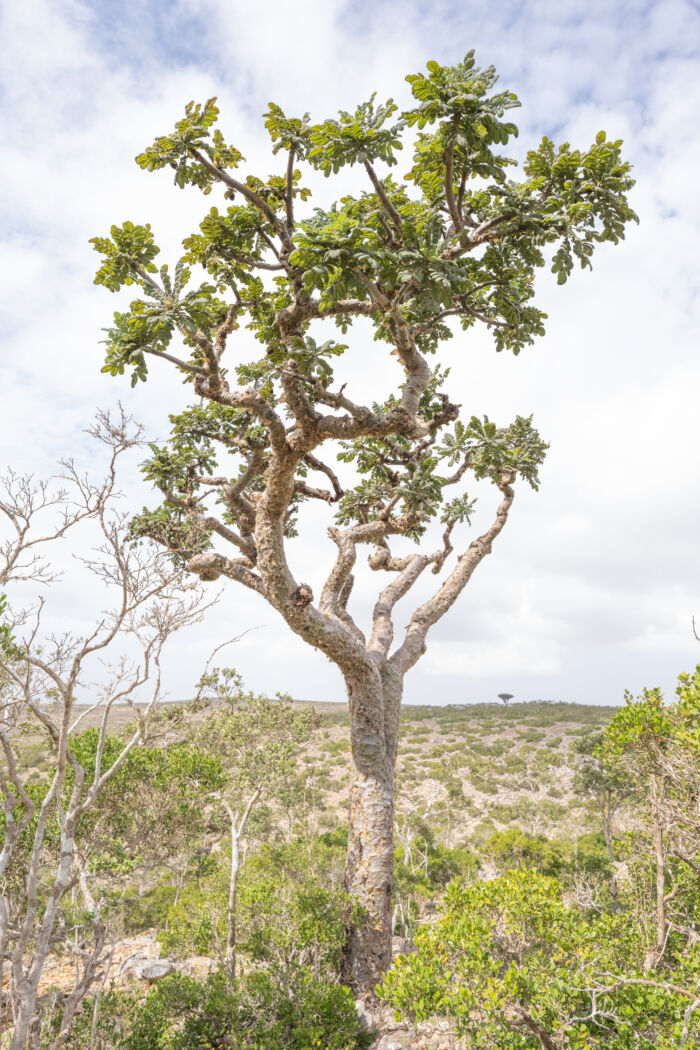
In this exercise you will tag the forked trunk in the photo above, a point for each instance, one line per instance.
(369, 872)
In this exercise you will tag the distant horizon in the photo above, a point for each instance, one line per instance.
(344, 703)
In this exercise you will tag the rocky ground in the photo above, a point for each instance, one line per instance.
(133, 959)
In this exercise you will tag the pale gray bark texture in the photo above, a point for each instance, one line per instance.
(151, 604)
(237, 824)
(373, 669)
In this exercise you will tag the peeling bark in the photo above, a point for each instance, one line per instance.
(369, 871)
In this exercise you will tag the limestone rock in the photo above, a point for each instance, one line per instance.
(364, 1015)
(144, 968)
(157, 968)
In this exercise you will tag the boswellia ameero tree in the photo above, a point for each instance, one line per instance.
(456, 241)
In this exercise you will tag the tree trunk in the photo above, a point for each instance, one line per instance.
(230, 959)
(654, 955)
(369, 871)
(607, 831)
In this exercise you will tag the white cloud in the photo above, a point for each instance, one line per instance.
(593, 583)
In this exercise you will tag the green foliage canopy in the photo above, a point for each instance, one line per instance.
(459, 237)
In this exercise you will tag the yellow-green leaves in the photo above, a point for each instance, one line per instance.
(290, 133)
(192, 136)
(454, 244)
(356, 138)
(514, 965)
(460, 96)
(9, 649)
(581, 198)
(128, 254)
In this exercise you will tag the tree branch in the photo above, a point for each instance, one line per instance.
(290, 191)
(381, 193)
(424, 617)
(245, 191)
(449, 186)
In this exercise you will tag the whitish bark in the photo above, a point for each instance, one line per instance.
(369, 872)
(150, 605)
(655, 955)
(237, 829)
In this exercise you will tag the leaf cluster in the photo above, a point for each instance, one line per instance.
(456, 243)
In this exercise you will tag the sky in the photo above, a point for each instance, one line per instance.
(591, 588)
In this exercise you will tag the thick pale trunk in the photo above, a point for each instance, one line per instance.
(369, 876)
(26, 1016)
(369, 872)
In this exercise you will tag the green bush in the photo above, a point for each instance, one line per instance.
(492, 750)
(515, 764)
(255, 1013)
(532, 736)
(544, 759)
(552, 811)
(589, 853)
(504, 812)
(336, 747)
(481, 833)
(514, 849)
(290, 905)
(515, 967)
(146, 910)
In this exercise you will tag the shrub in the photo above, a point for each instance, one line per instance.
(532, 736)
(255, 1013)
(146, 910)
(286, 892)
(515, 764)
(336, 747)
(544, 759)
(511, 965)
(516, 849)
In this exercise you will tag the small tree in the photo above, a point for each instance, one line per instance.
(456, 239)
(658, 745)
(510, 963)
(42, 678)
(148, 817)
(258, 741)
(506, 698)
(606, 784)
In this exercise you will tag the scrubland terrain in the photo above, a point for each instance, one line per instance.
(465, 770)
(477, 768)
(208, 905)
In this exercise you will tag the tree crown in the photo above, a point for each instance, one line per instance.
(457, 239)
